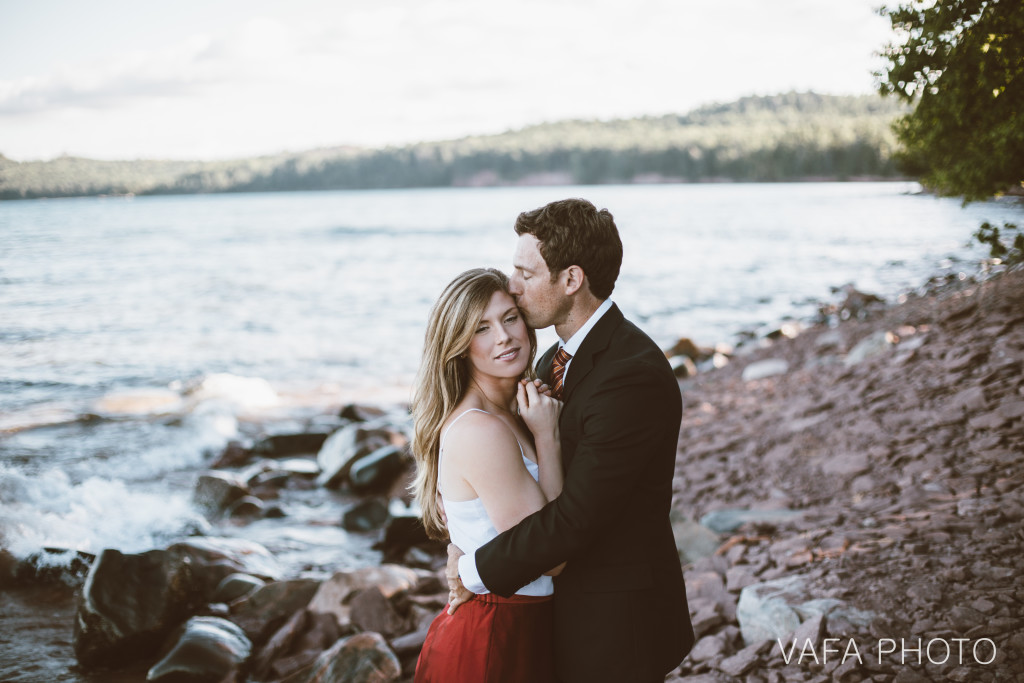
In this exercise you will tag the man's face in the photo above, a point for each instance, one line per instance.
(542, 302)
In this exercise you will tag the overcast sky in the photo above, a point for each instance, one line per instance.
(207, 79)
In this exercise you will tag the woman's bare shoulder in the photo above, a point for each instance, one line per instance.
(477, 437)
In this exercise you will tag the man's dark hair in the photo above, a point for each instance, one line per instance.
(572, 232)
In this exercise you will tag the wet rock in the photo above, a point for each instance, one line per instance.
(333, 596)
(362, 658)
(235, 586)
(770, 367)
(377, 470)
(208, 649)
(410, 644)
(299, 467)
(278, 645)
(284, 445)
(404, 531)
(344, 448)
(369, 610)
(215, 558)
(131, 602)
(261, 612)
(360, 413)
(235, 454)
(215, 491)
(246, 507)
(49, 565)
(368, 515)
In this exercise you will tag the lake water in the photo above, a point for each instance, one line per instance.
(179, 320)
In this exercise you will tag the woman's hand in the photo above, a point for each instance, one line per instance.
(538, 409)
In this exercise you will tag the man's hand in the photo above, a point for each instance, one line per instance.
(457, 593)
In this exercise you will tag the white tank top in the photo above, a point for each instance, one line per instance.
(470, 527)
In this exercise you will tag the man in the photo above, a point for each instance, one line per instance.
(620, 603)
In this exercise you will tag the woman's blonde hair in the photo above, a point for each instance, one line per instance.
(444, 376)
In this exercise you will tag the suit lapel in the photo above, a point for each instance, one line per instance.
(595, 342)
(543, 366)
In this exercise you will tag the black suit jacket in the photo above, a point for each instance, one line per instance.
(620, 605)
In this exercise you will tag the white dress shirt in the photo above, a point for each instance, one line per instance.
(467, 563)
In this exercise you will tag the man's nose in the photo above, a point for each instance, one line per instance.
(513, 286)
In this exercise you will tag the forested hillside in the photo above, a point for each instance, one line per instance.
(794, 136)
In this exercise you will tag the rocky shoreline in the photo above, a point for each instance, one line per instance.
(848, 507)
(866, 483)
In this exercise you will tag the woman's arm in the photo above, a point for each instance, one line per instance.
(484, 453)
(540, 413)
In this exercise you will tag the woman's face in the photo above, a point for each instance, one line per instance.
(500, 345)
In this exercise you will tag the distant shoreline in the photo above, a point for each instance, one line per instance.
(472, 186)
(791, 137)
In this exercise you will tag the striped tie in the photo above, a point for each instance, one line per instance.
(558, 371)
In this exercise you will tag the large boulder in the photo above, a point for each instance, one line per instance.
(131, 602)
(362, 658)
(209, 650)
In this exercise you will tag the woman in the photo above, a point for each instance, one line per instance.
(486, 444)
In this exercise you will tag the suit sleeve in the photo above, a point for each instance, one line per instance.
(623, 424)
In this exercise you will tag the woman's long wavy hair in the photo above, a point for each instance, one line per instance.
(444, 376)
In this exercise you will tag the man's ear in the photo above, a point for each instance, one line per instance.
(574, 279)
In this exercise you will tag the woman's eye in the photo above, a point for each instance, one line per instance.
(481, 329)
(511, 319)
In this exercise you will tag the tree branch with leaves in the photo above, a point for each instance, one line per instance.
(961, 62)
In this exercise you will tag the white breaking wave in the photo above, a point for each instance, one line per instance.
(49, 510)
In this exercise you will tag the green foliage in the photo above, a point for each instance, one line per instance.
(1011, 255)
(793, 136)
(962, 62)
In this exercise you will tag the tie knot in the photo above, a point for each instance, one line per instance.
(562, 357)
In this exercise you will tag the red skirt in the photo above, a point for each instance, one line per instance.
(491, 639)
